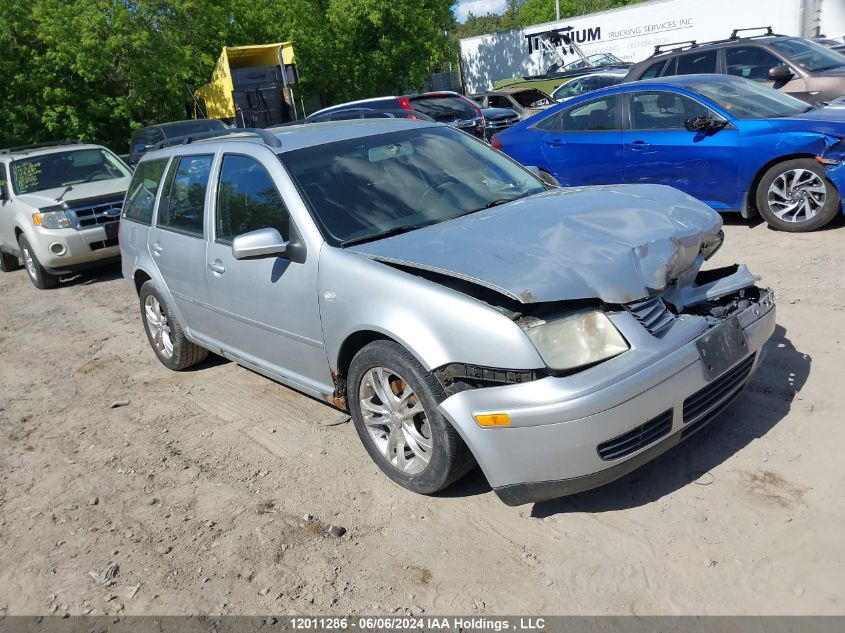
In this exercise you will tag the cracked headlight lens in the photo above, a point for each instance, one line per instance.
(576, 340)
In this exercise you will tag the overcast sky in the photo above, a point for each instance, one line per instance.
(478, 7)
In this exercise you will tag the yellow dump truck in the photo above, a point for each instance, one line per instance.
(251, 86)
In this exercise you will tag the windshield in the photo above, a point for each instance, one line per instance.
(49, 171)
(365, 188)
(445, 109)
(809, 55)
(746, 99)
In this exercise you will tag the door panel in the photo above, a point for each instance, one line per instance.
(658, 148)
(177, 241)
(583, 144)
(266, 309)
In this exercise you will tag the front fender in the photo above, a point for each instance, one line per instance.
(436, 324)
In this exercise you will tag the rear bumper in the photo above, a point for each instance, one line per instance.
(553, 447)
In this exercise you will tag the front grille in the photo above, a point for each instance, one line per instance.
(652, 313)
(84, 216)
(496, 125)
(634, 440)
(706, 403)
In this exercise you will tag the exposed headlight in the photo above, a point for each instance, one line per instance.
(51, 220)
(576, 340)
(709, 248)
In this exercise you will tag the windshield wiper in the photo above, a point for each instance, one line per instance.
(397, 230)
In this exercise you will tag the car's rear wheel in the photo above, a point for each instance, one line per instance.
(796, 196)
(8, 262)
(40, 278)
(166, 336)
(393, 401)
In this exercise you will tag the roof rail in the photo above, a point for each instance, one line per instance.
(268, 138)
(769, 32)
(674, 46)
(20, 148)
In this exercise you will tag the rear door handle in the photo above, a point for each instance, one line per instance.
(554, 142)
(639, 145)
(157, 248)
(217, 267)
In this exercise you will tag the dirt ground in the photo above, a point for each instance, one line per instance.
(211, 490)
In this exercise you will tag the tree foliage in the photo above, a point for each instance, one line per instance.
(95, 69)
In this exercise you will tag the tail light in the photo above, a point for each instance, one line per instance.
(404, 103)
(496, 142)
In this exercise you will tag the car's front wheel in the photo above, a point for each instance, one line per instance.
(796, 196)
(40, 278)
(393, 401)
(164, 332)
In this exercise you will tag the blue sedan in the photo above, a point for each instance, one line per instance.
(730, 142)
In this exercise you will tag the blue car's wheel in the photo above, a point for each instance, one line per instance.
(796, 196)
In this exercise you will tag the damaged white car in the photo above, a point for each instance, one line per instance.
(463, 311)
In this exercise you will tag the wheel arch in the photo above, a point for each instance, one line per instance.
(140, 277)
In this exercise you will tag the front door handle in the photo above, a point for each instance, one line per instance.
(554, 142)
(217, 267)
(157, 248)
(639, 145)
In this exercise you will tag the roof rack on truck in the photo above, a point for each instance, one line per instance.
(238, 134)
(674, 46)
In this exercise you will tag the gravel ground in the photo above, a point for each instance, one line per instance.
(211, 491)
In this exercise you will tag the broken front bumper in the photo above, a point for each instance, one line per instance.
(565, 438)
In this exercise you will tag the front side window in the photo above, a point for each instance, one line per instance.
(809, 55)
(660, 110)
(653, 70)
(60, 169)
(247, 200)
(183, 208)
(141, 196)
(599, 115)
(571, 88)
(365, 188)
(750, 62)
(697, 63)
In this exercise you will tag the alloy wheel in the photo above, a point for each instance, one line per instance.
(158, 326)
(30, 263)
(797, 195)
(395, 420)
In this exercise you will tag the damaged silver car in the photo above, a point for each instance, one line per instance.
(462, 310)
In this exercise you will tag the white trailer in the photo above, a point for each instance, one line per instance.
(632, 32)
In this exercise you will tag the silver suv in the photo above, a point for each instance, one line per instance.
(459, 308)
(59, 209)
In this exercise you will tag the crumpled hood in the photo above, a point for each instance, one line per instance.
(102, 188)
(616, 243)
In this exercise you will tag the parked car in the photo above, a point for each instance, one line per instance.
(59, 208)
(460, 309)
(444, 107)
(588, 83)
(363, 113)
(525, 101)
(793, 65)
(147, 138)
(730, 142)
(836, 43)
(498, 120)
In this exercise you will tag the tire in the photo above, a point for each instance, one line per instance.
(785, 185)
(40, 278)
(167, 338)
(8, 262)
(449, 459)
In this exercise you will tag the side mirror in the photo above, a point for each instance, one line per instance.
(704, 124)
(261, 243)
(546, 177)
(780, 73)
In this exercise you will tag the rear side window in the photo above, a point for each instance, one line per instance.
(697, 63)
(444, 108)
(653, 70)
(247, 200)
(751, 62)
(182, 210)
(141, 196)
(183, 129)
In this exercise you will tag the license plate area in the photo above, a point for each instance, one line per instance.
(722, 347)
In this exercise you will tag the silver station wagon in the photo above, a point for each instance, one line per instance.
(462, 310)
